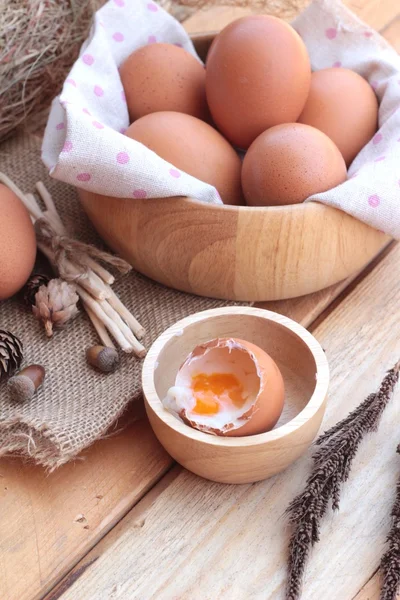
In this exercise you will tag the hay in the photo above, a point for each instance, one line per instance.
(40, 40)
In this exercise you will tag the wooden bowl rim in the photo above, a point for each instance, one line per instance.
(309, 205)
(306, 414)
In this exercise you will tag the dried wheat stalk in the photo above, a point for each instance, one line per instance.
(390, 563)
(332, 463)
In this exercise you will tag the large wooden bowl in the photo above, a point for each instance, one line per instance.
(240, 459)
(234, 252)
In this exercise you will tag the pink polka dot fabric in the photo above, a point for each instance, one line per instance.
(85, 145)
(88, 59)
(122, 158)
(335, 37)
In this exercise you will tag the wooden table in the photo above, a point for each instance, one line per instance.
(125, 522)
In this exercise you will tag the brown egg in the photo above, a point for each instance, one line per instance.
(164, 77)
(17, 244)
(288, 163)
(228, 386)
(343, 105)
(194, 147)
(258, 75)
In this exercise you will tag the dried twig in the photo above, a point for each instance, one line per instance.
(99, 327)
(390, 563)
(332, 463)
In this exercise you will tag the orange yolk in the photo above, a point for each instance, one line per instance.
(210, 391)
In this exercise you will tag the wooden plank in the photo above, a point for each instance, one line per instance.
(392, 34)
(215, 18)
(46, 522)
(376, 13)
(371, 590)
(308, 308)
(199, 540)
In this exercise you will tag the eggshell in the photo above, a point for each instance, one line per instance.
(162, 77)
(343, 105)
(17, 243)
(258, 75)
(194, 147)
(288, 163)
(262, 388)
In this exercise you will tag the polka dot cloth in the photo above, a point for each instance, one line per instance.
(122, 158)
(331, 33)
(335, 38)
(88, 59)
(85, 145)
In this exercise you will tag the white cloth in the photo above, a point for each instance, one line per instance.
(84, 143)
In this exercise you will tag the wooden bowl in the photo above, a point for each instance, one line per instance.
(234, 252)
(240, 459)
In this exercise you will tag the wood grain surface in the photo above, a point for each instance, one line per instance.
(120, 459)
(392, 33)
(376, 13)
(371, 590)
(46, 521)
(205, 541)
(40, 541)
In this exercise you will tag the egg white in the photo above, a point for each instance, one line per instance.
(228, 357)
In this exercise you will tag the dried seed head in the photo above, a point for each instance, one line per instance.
(103, 358)
(23, 386)
(55, 304)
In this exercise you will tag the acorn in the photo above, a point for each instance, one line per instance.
(102, 358)
(22, 386)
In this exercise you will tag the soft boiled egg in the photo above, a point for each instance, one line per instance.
(227, 387)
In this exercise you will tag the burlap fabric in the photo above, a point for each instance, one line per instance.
(76, 405)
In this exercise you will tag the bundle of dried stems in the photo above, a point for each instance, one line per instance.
(332, 463)
(78, 262)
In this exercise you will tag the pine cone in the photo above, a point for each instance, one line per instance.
(10, 353)
(32, 287)
(55, 304)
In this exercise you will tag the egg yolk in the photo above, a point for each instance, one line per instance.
(210, 391)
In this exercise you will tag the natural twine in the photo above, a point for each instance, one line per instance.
(67, 250)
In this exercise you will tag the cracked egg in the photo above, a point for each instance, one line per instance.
(227, 387)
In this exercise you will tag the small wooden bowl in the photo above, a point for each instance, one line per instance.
(240, 459)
